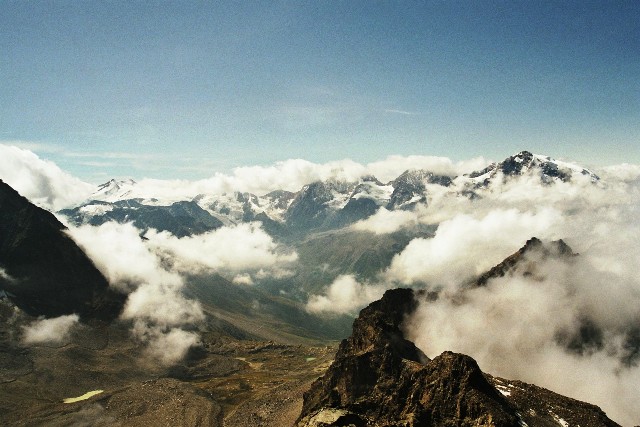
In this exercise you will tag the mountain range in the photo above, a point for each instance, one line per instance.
(261, 357)
(318, 206)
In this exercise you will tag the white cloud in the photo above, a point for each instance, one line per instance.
(514, 325)
(391, 167)
(40, 181)
(122, 256)
(162, 305)
(236, 248)
(465, 246)
(155, 303)
(511, 327)
(53, 331)
(151, 270)
(344, 296)
(385, 221)
(293, 174)
(243, 279)
(166, 347)
(623, 172)
(4, 275)
(290, 175)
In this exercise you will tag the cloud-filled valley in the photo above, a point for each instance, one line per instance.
(151, 269)
(572, 325)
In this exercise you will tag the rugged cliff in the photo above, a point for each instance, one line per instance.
(379, 378)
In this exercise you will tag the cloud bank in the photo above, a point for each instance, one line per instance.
(572, 327)
(46, 185)
(151, 269)
(293, 174)
(465, 246)
(385, 221)
(155, 303)
(521, 327)
(239, 248)
(41, 181)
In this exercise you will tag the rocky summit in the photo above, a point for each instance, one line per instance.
(379, 378)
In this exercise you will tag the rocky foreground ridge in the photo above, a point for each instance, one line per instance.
(379, 378)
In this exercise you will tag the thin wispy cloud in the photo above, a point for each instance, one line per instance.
(98, 164)
(403, 112)
(304, 116)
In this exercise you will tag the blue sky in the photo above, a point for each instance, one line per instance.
(185, 89)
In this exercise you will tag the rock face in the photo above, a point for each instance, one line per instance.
(42, 269)
(409, 189)
(379, 378)
(312, 206)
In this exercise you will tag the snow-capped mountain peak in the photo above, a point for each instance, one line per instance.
(527, 163)
(114, 190)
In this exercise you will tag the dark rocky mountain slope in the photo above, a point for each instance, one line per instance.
(43, 271)
(379, 378)
(183, 218)
(534, 248)
(409, 189)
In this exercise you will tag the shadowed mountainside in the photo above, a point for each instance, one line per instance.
(43, 270)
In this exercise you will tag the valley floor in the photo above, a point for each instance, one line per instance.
(226, 382)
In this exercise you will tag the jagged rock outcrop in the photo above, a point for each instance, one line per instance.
(379, 378)
(43, 271)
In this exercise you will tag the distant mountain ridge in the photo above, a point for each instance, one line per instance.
(318, 206)
(184, 218)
